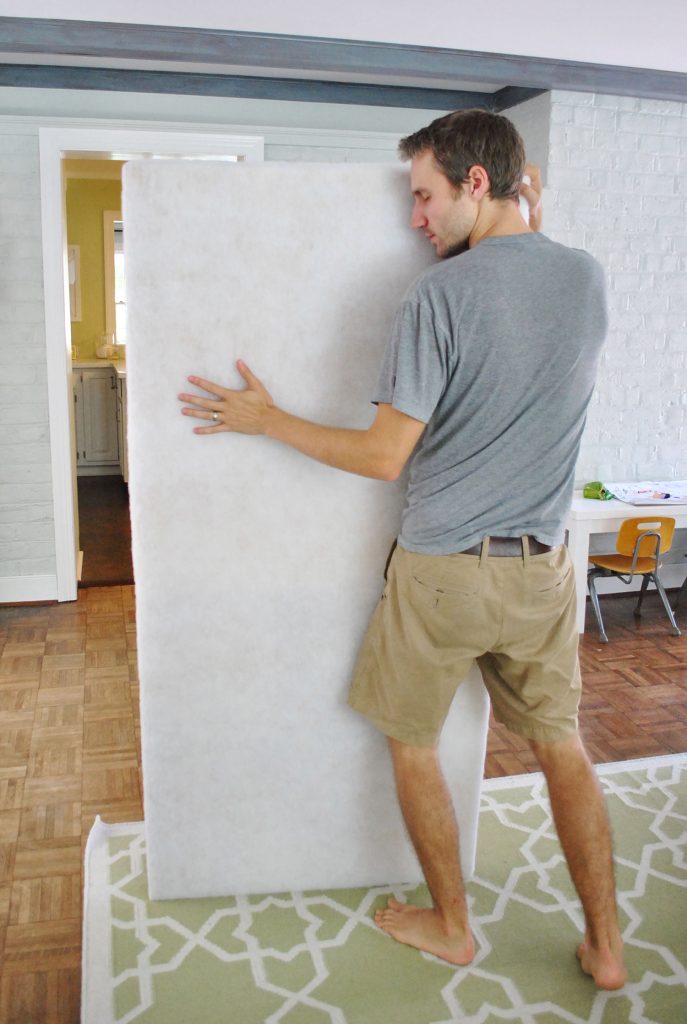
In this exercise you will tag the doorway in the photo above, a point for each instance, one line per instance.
(56, 145)
(93, 200)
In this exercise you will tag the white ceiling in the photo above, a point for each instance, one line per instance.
(630, 33)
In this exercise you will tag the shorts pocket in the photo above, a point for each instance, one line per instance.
(433, 593)
(554, 589)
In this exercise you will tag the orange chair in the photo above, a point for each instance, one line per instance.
(639, 543)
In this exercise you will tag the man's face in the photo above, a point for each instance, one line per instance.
(447, 217)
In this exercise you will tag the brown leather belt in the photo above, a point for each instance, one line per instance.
(501, 547)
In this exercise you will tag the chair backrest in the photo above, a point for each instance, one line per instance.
(632, 529)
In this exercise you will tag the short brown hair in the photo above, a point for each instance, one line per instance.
(464, 138)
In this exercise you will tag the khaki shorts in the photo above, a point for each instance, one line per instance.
(514, 616)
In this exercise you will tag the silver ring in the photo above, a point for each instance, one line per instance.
(215, 416)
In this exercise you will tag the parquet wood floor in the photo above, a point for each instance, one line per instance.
(70, 749)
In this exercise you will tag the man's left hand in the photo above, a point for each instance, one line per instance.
(243, 412)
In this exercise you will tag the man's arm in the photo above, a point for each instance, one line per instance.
(380, 452)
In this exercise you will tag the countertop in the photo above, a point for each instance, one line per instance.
(118, 365)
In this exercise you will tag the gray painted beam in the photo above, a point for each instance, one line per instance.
(511, 96)
(42, 76)
(239, 49)
(103, 40)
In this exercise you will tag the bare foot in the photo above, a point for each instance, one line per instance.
(605, 967)
(424, 929)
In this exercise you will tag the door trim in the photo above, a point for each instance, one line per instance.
(56, 144)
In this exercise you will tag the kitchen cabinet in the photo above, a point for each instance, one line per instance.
(95, 416)
(122, 426)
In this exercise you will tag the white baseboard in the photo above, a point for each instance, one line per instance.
(17, 589)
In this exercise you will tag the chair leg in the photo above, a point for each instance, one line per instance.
(591, 583)
(664, 598)
(642, 592)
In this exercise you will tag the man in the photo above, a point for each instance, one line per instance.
(485, 383)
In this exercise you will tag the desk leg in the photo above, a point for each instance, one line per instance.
(578, 546)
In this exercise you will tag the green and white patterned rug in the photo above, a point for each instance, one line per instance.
(317, 957)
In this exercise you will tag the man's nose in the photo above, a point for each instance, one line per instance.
(417, 219)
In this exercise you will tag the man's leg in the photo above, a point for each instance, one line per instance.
(581, 820)
(428, 813)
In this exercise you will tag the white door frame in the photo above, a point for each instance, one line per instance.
(57, 144)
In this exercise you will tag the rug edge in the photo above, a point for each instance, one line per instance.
(96, 966)
(608, 768)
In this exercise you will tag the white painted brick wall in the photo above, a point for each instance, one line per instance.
(26, 515)
(617, 187)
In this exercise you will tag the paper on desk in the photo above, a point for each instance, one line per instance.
(650, 492)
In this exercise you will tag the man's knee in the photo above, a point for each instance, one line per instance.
(551, 753)
(409, 752)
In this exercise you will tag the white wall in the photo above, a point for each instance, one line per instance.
(621, 32)
(617, 186)
(26, 512)
(210, 110)
(291, 131)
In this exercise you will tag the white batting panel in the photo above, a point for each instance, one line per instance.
(257, 569)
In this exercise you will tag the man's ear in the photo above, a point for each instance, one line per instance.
(478, 184)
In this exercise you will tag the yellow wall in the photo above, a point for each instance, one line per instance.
(86, 201)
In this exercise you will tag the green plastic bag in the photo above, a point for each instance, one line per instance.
(595, 489)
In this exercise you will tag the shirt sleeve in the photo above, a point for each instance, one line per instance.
(414, 370)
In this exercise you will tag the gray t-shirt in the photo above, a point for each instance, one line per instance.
(496, 351)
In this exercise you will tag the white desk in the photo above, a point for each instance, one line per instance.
(588, 516)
